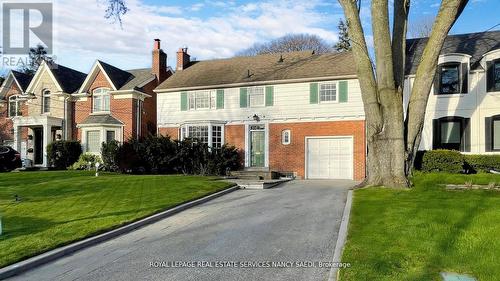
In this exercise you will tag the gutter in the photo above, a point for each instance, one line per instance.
(257, 83)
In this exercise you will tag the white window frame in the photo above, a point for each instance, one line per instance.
(100, 94)
(87, 142)
(14, 100)
(102, 135)
(194, 98)
(252, 91)
(336, 83)
(284, 135)
(45, 96)
(185, 132)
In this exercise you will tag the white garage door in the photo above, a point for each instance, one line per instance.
(329, 158)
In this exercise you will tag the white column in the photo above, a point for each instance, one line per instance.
(17, 137)
(46, 140)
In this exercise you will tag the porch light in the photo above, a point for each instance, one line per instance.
(256, 117)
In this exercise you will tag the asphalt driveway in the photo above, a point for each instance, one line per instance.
(295, 224)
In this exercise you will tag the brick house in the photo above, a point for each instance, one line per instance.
(48, 111)
(116, 104)
(12, 104)
(297, 112)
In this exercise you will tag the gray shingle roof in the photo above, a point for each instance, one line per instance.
(103, 119)
(269, 67)
(23, 79)
(473, 44)
(127, 79)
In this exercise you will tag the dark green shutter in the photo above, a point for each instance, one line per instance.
(243, 97)
(184, 101)
(313, 93)
(343, 91)
(465, 143)
(220, 99)
(488, 128)
(269, 96)
(436, 134)
(465, 78)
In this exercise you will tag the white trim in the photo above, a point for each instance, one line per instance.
(351, 137)
(209, 126)
(92, 74)
(258, 83)
(34, 82)
(248, 145)
(129, 94)
(283, 132)
(336, 92)
(102, 129)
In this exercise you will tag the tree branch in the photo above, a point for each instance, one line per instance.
(382, 44)
(448, 13)
(400, 25)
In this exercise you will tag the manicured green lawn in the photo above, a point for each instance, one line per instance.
(415, 234)
(59, 207)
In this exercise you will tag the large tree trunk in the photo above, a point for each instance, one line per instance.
(393, 140)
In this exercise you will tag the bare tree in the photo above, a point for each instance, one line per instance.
(422, 27)
(344, 43)
(36, 56)
(115, 10)
(392, 138)
(288, 43)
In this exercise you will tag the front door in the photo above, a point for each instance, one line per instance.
(38, 145)
(257, 148)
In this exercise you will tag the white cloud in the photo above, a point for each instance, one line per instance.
(83, 35)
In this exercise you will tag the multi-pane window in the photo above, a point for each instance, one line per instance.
(201, 100)
(14, 107)
(101, 100)
(450, 79)
(110, 136)
(211, 135)
(199, 133)
(327, 92)
(93, 141)
(45, 101)
(285, 137)
(496, 75)
(216, 136)
(256, 96)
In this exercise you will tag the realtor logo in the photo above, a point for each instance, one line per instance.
(25, 25)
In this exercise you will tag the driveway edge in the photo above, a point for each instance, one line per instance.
(341, 238)
(22, 266)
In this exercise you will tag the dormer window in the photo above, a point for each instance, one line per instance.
(493, 79)
(451, 78)
(100, 100)
(46, 101)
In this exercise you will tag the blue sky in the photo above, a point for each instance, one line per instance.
(214, 29)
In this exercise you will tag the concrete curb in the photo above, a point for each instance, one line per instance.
(339, 247)
(25, 265)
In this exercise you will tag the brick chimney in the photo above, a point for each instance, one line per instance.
(183, 59)
(159, 66)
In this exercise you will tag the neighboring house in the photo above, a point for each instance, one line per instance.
(296, 112)
(49, 110)
(12, 104)
(116, 104)
(463, 111)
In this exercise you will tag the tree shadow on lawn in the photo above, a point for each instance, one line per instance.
(447, 245)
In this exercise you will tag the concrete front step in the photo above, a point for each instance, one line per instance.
(255, 175)
(258, 184)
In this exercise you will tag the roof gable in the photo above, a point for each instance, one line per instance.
(65, 79)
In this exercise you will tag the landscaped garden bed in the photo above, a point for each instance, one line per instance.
(43, 210)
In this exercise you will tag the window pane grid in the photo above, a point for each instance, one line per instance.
(93, 141)
(200, 133)
(328, 92)
(256, 96)
(101, 100)
(201, 100)
(46, 102)
(216, 136)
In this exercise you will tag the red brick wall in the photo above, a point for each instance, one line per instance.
(149, 114)
(173, 132)
(292, 157)
(6, 124)
(122, 109)
(235, 135)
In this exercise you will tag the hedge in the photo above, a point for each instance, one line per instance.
(62, 154)
(162, 155)
(452, 161)
(442, 160)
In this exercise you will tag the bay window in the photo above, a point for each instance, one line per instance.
(209, 134)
